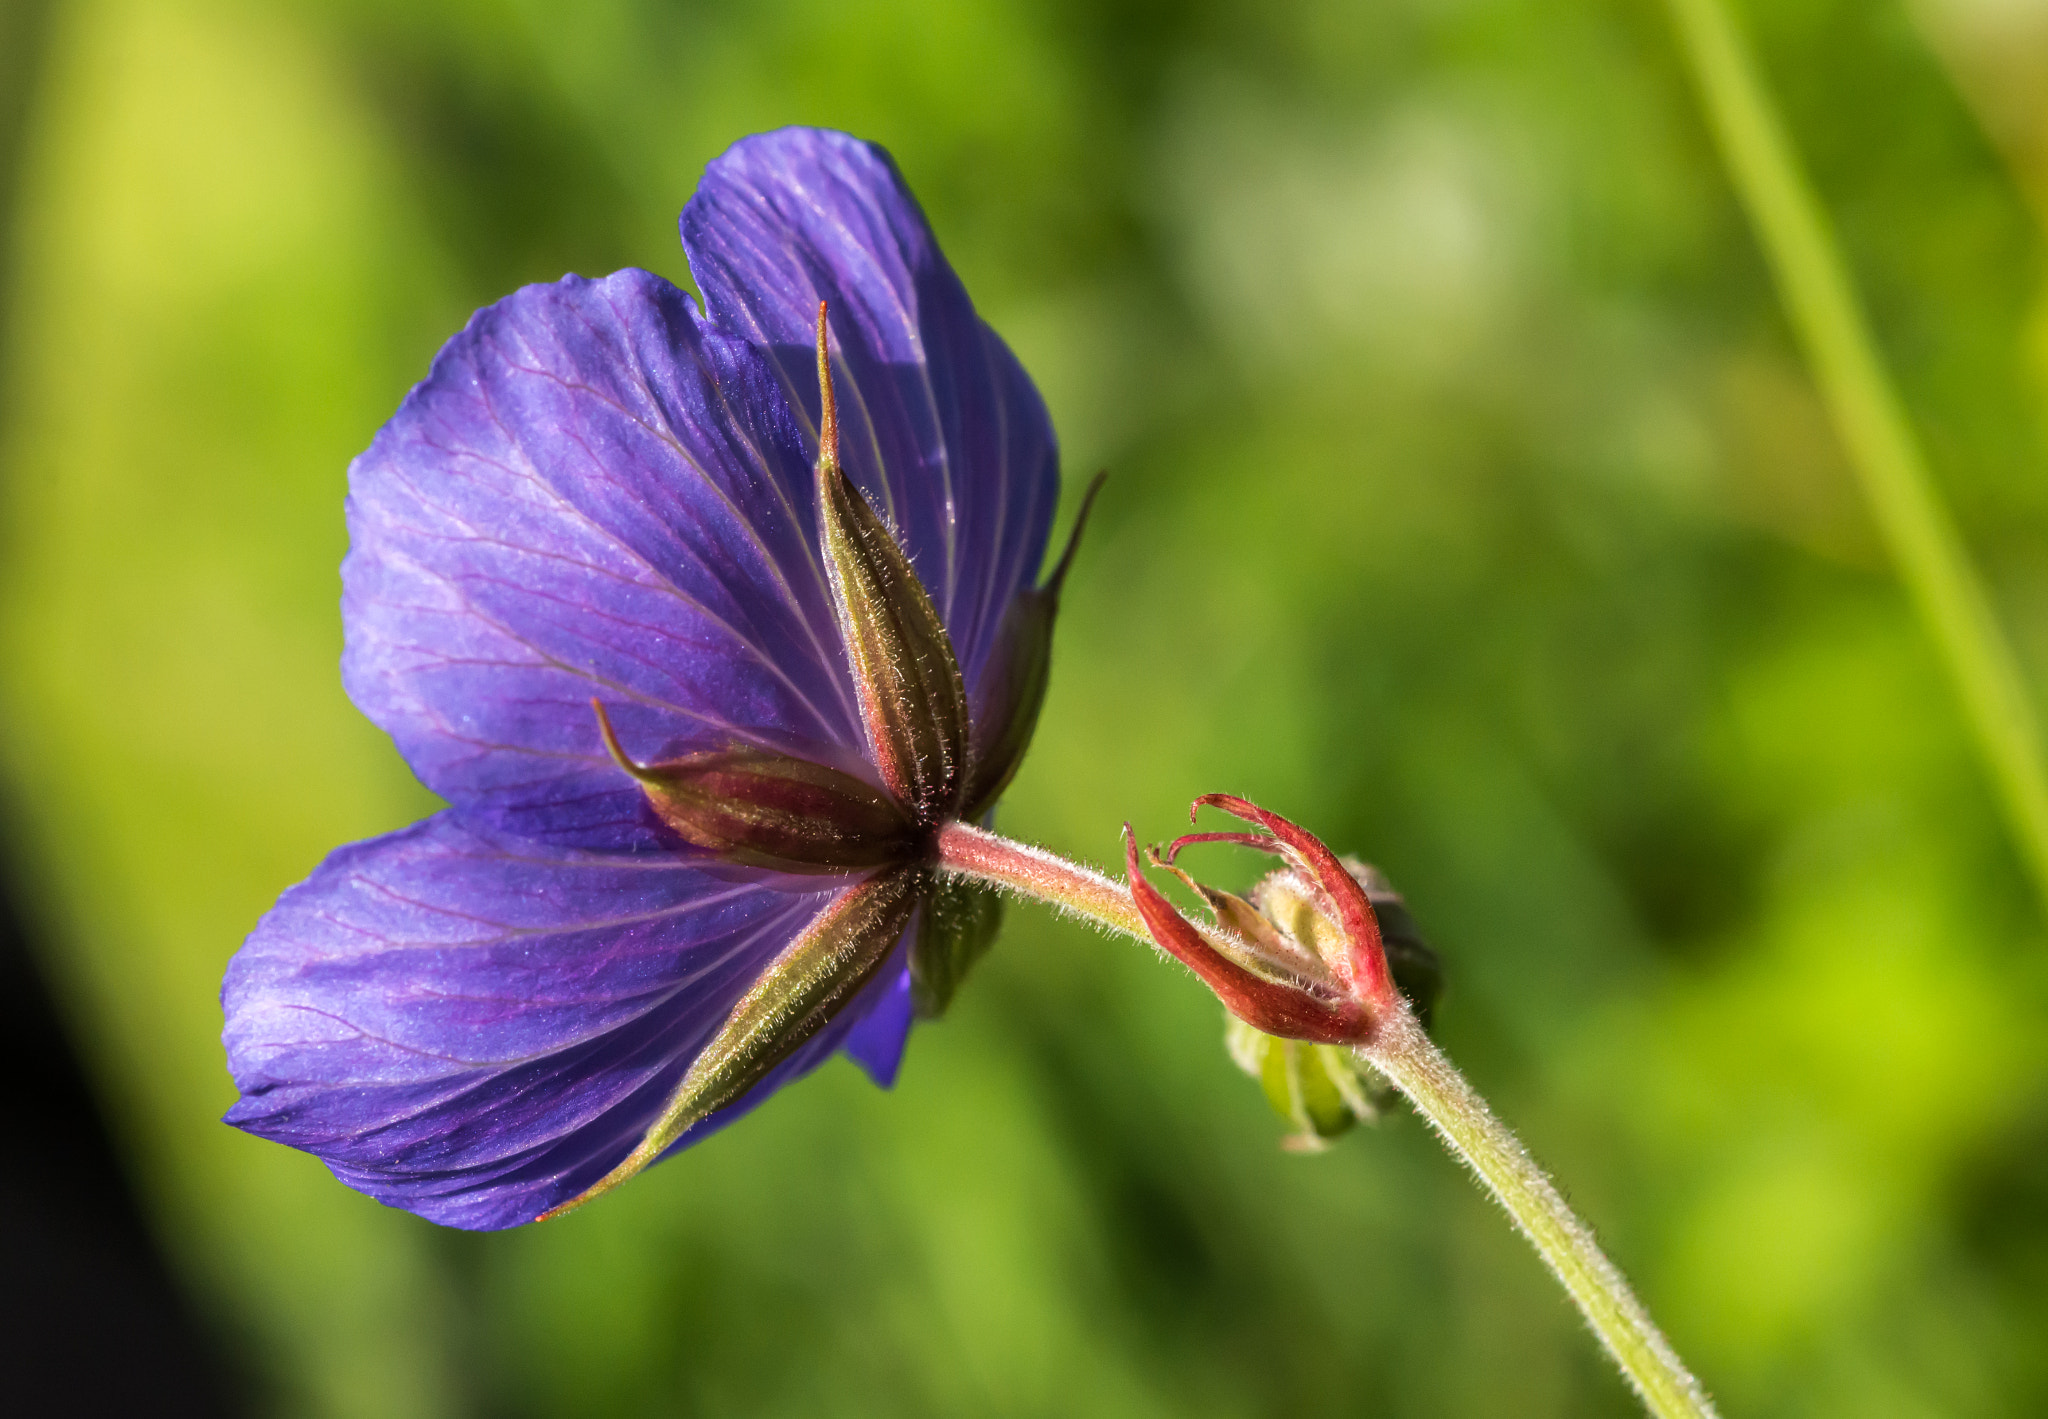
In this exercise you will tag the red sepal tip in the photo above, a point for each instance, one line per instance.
(1285, 1008)
(1337, 892)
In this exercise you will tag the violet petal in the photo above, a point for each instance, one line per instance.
(590, 495)
(476, 1029)
(939, 425)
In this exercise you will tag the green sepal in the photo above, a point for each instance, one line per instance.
(956, 926)
(1321, 1090)
(803, 988)
(912, 700)
(1011, 688)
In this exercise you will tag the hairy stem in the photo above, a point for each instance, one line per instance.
(1814, 284)
(1041, 876)
(1405, 1055)
(1409, 1058)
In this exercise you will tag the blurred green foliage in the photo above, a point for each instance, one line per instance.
(1469, 504)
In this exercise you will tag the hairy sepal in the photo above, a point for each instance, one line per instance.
(771, 810)
(1011, 687)
(807, 984)
(913, 703)
(956, 926)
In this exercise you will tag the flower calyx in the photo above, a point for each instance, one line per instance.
(936, 763)
(754, 807)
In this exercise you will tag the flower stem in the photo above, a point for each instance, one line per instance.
(1411, 1060)
(1041, 876)
(1814, 284)
(1406, 1056)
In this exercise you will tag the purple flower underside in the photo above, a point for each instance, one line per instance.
(600, 492)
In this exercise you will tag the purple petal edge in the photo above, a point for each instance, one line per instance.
(590, 496)
(940, 425)
(475, 1029)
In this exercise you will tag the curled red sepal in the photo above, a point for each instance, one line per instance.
(1363, 963)
(1263, 842)
(1288, 1008)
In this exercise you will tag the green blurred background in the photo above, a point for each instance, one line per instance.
(1469, 502)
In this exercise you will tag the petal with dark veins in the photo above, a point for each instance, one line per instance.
(590, 496)
(476, 1029)
(939, 424)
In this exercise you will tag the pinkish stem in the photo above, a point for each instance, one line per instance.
(1405, 1055)
(1037, 874)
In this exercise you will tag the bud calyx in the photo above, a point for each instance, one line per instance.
(1305, 959)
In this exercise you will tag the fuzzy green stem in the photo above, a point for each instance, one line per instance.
(1814, 284)
(1408, 1057)
(1405, 1055)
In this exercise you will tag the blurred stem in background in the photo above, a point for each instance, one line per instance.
(1814, 284)
(24, 27)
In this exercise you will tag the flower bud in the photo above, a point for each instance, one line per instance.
(1258, 979)
(1320, 956)
(1321, 1089)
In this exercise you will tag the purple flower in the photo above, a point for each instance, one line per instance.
(607, 947)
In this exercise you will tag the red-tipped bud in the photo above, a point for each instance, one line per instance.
(1358, 956)
(1263, 992)
(1316, 923)
(1313, 923)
